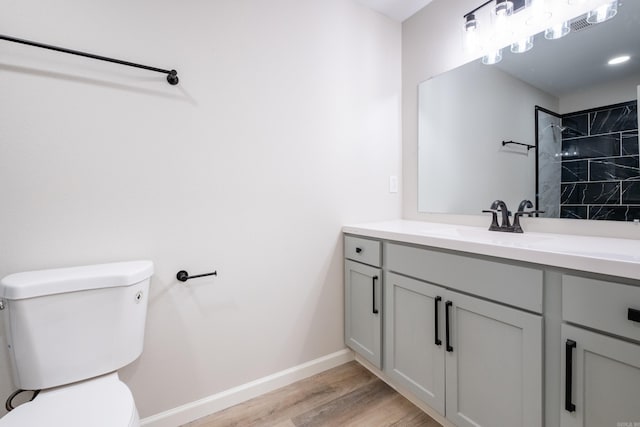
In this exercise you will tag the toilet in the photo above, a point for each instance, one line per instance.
(68, 331)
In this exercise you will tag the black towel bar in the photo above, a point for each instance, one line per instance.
(183, 276)
(172, 75)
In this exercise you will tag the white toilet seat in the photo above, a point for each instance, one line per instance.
(104, 401)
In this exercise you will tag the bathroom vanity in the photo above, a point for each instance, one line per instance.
(494, 329)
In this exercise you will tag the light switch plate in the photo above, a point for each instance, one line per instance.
(393, 184)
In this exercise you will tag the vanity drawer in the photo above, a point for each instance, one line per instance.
(362, 250)
(601, 305)
(514, 285)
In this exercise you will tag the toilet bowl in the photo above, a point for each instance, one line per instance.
(68, 332)
(99, 402)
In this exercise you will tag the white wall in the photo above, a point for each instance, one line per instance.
(605, 94)
(285, 126)
(432, 44)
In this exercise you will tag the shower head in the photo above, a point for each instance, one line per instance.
(553, 125)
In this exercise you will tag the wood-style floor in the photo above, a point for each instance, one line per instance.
(348, 395)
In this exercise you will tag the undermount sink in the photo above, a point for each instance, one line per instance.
(589, 247)
(481, 235)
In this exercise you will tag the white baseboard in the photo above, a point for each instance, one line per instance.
(225, 399)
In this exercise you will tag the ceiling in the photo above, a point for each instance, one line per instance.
(396, 9)
(579, 60)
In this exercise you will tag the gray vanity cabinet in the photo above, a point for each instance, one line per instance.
(414, 340)
(604, 378)
(494, 365)
(363, 302)
(476, 362)
(600, 376)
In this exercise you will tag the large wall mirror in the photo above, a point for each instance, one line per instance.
(571, 119)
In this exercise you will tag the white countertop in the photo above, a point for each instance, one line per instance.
(603, 255)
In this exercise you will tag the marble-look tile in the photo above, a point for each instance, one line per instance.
(577, 125)
(575, 170)
(601, 164)
(614, 168)
(575, 212)
(588, 193)
(630, 143)
(614, 213)
(631, 192)
(614, 119)
(591, 146)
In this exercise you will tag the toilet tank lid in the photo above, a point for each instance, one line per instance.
(32, 284)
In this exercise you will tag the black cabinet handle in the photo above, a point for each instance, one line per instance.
(358, 250)
(568, 378)
(373, 291)
(446, 325)
(438, 340)
(633, 315)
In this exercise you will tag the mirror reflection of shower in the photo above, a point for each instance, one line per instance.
(555, 126)
(549, 162)
(556, 131)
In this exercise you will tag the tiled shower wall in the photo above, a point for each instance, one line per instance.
(600, 164)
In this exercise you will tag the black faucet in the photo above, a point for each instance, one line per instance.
(505, 225)
(525, 204)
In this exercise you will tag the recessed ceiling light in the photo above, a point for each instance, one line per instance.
(619, 60)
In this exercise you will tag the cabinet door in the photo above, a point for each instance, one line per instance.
(603, 373)
(363, 318)
(412, 357)
(493, 364)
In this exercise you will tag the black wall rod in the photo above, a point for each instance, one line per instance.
(172, 75)
(529, 146)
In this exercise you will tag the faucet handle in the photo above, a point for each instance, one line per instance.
(494, 219)
(525, 204)
(517, 228)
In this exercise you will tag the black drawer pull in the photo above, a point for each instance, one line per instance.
(568, 377)
(358, 250)
(446, 325)
(438, 340)
(633, 315)
(373, 291)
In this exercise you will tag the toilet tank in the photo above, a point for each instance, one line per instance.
(70, 324)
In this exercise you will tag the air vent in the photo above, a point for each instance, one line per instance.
(580, 24)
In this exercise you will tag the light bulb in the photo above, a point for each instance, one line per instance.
(619, 60)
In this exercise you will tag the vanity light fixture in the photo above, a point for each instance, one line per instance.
(503, 8)
(492, 57)
(619, 60)
(557, 31)
(603, 13)
(470, 23)
(514, 23)
(523, 45)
